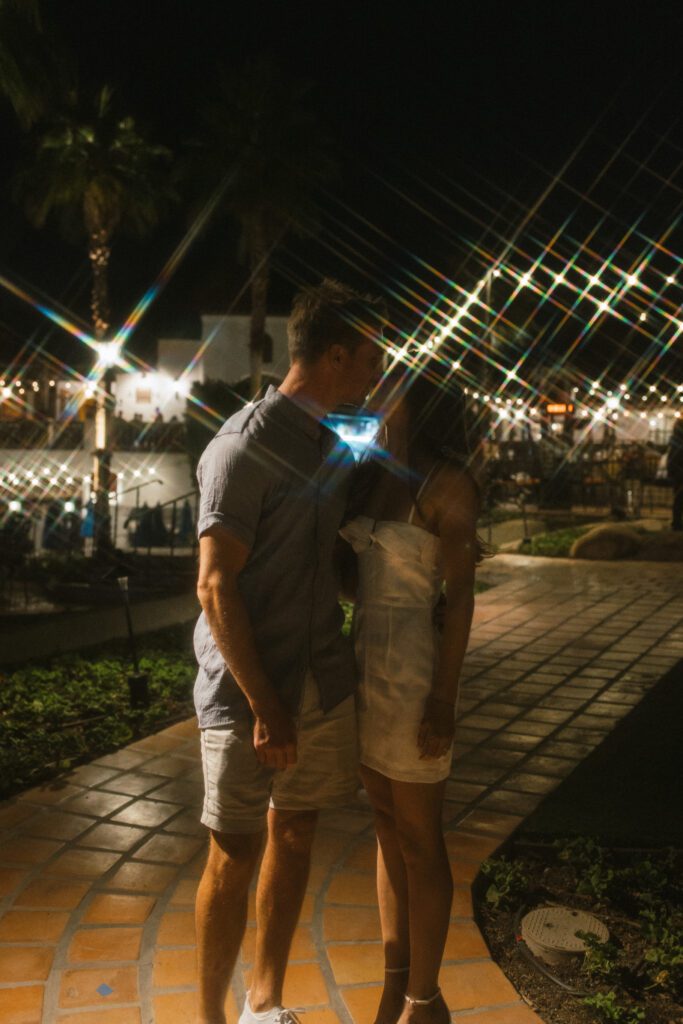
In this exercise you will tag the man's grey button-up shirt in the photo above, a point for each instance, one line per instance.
(278, 481)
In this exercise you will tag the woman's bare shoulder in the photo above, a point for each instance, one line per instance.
(455, 484)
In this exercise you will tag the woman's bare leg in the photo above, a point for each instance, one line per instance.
(417, 816)
(392, 892)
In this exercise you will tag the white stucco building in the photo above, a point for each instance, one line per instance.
(222, 353)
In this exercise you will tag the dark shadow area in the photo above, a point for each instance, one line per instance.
(628, 792)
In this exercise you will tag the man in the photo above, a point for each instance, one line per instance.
(276, 677)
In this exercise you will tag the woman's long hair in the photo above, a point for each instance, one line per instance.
(439, 432)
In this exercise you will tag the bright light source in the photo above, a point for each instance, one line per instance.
(642, 317)
(136, 472)
(15, 506)
(594, 279)
(496, 272)
(52, 383)
(151, 470)
(554, 426)
(632, 280)
(603, 307)
(671, 279)
(456, 365)
(525, 279)
(613, 403)
(69, 506)
(108, 353)
(560, 278)
(69, 479)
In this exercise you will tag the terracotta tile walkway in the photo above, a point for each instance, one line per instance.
(98, 872)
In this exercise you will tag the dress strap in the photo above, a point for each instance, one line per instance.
(424, 483)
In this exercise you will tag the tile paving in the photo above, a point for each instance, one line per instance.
(98, 871)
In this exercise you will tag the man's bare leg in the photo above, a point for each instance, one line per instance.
(279, 896)
(392, 893)
(221, 917)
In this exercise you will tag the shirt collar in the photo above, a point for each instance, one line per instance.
(295, 413)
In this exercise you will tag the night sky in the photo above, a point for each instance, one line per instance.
(450, 123)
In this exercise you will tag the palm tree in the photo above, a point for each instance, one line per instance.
(261, 146)
(100, 176)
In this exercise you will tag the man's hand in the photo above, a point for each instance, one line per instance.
(275, 738)
(437, 729)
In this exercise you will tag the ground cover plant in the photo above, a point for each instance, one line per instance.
(637, 974)
(553, 544)
(75, 707)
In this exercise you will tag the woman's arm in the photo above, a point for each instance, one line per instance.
(456, 501)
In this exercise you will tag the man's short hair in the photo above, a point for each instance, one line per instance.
(332, 314)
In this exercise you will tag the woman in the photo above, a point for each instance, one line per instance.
(416, 528)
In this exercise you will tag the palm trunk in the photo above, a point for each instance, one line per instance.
(99, 253)
(260, 270)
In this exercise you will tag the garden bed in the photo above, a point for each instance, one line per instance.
(637, 975)
(75, 707)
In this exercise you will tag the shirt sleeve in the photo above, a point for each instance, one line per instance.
(232, 487)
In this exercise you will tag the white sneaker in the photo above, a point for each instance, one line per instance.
(278, 1015)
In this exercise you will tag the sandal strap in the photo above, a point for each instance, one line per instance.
(423, 1002)
(396, 970)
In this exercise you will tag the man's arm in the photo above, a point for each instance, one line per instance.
(221, 559)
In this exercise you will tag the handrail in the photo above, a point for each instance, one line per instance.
(180, 497)
(137, 487)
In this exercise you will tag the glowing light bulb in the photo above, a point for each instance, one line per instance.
(632, 280)
(642, 317)
(670, 279)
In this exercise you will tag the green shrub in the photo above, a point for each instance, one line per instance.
(509, 882)
(76, 708)
(610, 1009)
(602, 959)
(664, 953)
(555, 544)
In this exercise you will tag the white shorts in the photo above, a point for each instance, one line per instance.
(238, 789)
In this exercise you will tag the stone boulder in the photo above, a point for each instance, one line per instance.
(666, 546)
(607, 543)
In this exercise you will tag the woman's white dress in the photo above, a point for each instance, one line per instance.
(396, 643)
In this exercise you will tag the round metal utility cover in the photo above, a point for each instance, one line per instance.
(550, 932)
